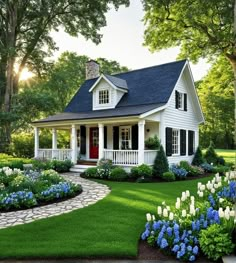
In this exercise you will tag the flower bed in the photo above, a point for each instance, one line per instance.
(204, 223)
(20, 190)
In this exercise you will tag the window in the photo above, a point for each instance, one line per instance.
(180, 100)
(125, 137)
(175, 141)
(103, 96)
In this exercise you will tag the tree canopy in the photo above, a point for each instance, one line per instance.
(25, 39)
(200, 28)
(217, 99)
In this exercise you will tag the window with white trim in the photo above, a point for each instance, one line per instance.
(103, 96)
(125, 137)
(175, 141)
(181, 101)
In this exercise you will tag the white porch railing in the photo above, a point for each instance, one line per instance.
(123, 157)
(58, 154)
(149, 156)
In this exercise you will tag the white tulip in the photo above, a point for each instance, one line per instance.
(221, 200)
(219, 184)
(159, 210)
(149, 217)
(216, 186)
(168, 208)
(199, 185)
(227, 215)
(221, 212)
(183, 197)
(232, 213)
(184, 213)
(203, 187)
(187, 193)
(165, 212)
(177, 205)
(200, 194)
(213, 190)
(192, 210)
(171, 216)
(178, 199)
(192, 199)
(153, 218)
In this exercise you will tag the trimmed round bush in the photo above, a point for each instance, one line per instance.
(145, 170)
(168, 176)
(118, 174)
(134, 172)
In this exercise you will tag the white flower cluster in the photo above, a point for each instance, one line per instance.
(211, 186)
(8, 171)
(230, 176)
(227, 213)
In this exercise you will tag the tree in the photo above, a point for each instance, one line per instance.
(25, 37)
(198, 158)
(160, 165)
(201, 28)
(217, 100)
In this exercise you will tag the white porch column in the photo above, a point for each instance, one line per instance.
(74, 144)
(54, 143)
(101, 141)
(36, 142)
(141, 134)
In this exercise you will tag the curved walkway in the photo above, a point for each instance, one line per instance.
(92, 192)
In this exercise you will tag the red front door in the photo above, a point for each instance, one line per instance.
(94, 143)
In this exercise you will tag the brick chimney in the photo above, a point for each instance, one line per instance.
(92, 69)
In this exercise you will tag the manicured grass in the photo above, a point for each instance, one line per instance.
(109, 228)
(229, 155)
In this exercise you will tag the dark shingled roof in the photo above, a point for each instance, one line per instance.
(119, 83)
(117, 112)
(148, 88)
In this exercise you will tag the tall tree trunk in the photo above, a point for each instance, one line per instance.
(11, 53)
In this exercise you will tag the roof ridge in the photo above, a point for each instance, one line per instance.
(177, 61)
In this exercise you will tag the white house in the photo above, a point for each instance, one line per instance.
(112, 116)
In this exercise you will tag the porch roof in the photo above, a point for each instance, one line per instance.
(117, 112)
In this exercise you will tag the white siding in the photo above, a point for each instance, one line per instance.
(179, 119)
(151, 129)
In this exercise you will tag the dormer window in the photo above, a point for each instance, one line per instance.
(180, 101)
(103, 96)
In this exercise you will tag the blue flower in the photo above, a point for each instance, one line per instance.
(195, 250)
(192, 258)
(175, 248)
(169, 231)
(189, 248)
(164, 243)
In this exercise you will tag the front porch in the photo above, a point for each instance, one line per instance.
(122, 142)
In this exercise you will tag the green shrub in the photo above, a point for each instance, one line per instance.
(51, 177)
(215, 242)
(168, 176)
(220, 160)
(152, 143)
(198, 158)
(104, 168)
(192, 170)
(118, 174)
(145, 171)
(221, 169)
(61, 166)
(210, 154)
(161, 163)
(134, 172)
(91, 172)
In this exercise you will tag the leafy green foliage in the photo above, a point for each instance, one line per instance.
(192, 170)
(161, 163)
(215, 242)
(91, 172)
(168, 176)
(198, 158)
(118, 174)
(210, 154)
(216, 95)
(152, 143)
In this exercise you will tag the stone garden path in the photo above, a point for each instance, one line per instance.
(92, 192)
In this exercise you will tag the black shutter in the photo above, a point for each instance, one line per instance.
(82, 140)
(135, 137)
(190, 142)
(168, 141)
(185, 101)
(176, 99)
(182, 142)
(116, 138)
(105, 137)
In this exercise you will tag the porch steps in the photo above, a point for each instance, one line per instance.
(80, 168)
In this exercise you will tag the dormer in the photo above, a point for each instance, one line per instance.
(107, 92)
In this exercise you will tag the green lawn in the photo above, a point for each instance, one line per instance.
(229, 155)
(109, 228)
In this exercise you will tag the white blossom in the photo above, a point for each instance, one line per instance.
(165, 212)
(177, 205)
(171, 216)
(221, 212)
(184, 213)
(159, 210)
(149, 217)
(187, 193)
(213, 190)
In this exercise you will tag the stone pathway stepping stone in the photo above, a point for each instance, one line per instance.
(92, 192)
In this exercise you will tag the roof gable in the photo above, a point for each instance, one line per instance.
(152, 85)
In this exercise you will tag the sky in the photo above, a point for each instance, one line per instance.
(123, 41)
